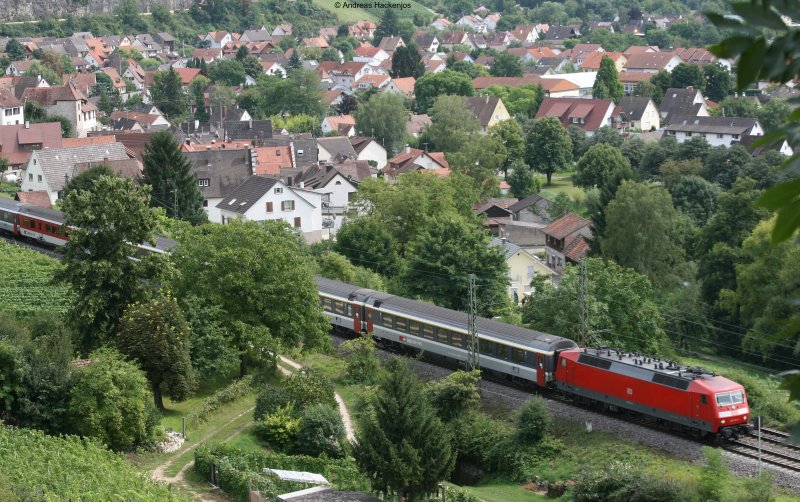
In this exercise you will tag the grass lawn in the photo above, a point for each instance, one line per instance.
(175, 411)
(561, 182)
(503, 491)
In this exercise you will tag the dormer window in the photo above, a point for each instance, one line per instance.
(278, 189)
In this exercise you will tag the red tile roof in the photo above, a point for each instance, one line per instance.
(270, 162)
(547, 84)
(565, 226)
(35, 198)
(576, 248)
(11, 136)
(593, 111)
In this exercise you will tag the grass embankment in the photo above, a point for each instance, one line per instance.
(561, 182)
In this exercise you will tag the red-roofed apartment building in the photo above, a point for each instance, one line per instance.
(588, 114)
(566, 240)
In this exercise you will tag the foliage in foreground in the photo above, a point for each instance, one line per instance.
(40, 467)
(237, 468)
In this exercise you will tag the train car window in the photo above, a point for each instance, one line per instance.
(348, 310)
(441, 335)
(327, 305)
(400, 324)
(486, 347)
(563, 363)
(456, 339)
(501, 351)
(388, 320)
(427, 331)
(413, 328)
(369, 314)
(517, 355)
(5, 216)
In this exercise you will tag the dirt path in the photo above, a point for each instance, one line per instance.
(159, 473)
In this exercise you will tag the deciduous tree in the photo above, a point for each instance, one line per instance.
(104, 221)
(549, 147)
(481, 158)
(86, 179)
(718, 81)
(522, 180)
(510, 134)
(641, 231)
(506, 65)
(596, 164)
(428, 87)
(155, 336)
(452, 123)
(687, 75)
(695, 197)
(383, 117)
(368, 243)
(441, 257)
(619, 303)
(401, 444)
(168, 95)
(266, 300)
(174, 186)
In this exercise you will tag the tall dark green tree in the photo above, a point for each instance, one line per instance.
(687, 75)
(597, 208)
(406, 62)
(15, 50)
(607, 84)
(174, 186)
(155, 335)
(388, 26)
(383, 117)
(294, 63)
(549, 147)
(168, 95)
(103, 221)
(402, 445)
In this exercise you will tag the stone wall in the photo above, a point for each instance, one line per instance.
(31, 10)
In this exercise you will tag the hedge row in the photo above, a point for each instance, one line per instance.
(237, 469)
(232, 392)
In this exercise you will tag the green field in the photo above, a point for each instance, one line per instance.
(350, 16)
(27, 282)
(562, 182)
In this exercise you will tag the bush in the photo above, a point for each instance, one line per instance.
(321, 432)
(362, 365)
(483, 441)
(280, 427)
(533, 420)
(760, 489)
(307, 387)
(713, 476)
(455, 394)
(270, 399)
(111, 400)
(620, 482)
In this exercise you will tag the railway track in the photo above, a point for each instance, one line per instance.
(776, 450)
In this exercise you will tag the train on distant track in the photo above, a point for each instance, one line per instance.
(687, 398)
(46, 226)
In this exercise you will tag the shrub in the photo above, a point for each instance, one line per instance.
(760, 489)
(307, 387)
(455, 394)
(713, 476)
(321, 432)
(608, 484)
(280, 427)
(480, 440)
(533, 420)
(111, 400)
(363, 366)
(270, 399)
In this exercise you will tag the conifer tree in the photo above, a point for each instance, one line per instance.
(402, 444)
(175, 186)
(607, 84)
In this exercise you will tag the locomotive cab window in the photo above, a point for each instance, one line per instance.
(729, 398)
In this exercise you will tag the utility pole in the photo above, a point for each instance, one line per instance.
(583, 305)
(176, 202)
(472, 338)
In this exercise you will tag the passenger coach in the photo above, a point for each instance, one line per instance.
(506, 349)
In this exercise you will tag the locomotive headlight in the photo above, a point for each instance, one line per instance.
(722, 421)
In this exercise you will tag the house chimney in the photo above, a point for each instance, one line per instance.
(503, 240)
(302, 184)
(408, 148)
(289, 181)
(27, 124)
(250, 124)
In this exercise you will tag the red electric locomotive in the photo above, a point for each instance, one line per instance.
(690, 397)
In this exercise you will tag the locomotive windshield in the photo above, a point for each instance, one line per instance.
(728, 398)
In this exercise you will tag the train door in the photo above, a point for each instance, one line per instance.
(369, 319)
(357, 318)
(540, 369)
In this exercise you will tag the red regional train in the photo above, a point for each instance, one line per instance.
(687, 398)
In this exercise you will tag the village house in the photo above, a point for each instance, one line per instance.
(567, 241)
(640, 113)
(413, 159)
(341, 124)
(18, 142)
(489, 110)
(368, 149)
(12, 110)
(261, 198)
(66, 101)
(652, 62)
(523, 267)
(682, 102)
(218, 173)
(717, 131)
(588, 114)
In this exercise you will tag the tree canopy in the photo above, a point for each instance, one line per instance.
(506, 65)
(607, 84)
(406, 62)
(549, 147)
(596, 164)
(452, 123)
(383, 117)
(168, 95)
(428, 87)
